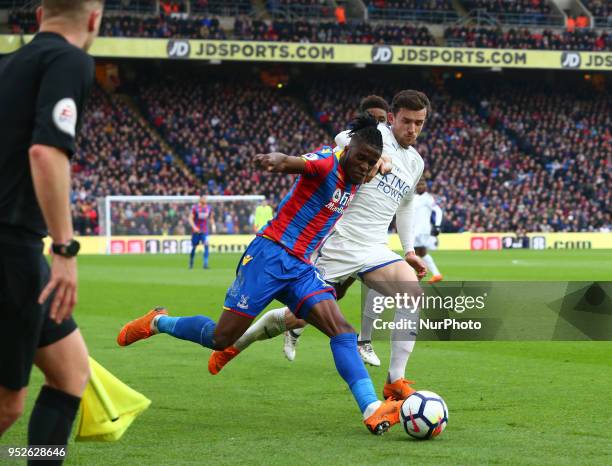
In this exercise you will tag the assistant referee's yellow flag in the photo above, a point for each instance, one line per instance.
(108, 407)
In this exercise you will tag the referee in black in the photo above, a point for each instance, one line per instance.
(43, 88)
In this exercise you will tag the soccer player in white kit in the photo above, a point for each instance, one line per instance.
(358, 246)
(425, 229)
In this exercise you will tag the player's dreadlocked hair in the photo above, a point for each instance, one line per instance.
(364, 130)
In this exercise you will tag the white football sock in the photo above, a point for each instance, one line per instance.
(431, 265)
(402, 344)
(368, 316)
(371, 409)
(271, 324)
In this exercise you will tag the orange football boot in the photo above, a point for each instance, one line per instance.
(139, 329)
(435, 279)
(384, 417)
(398, 390)
(218, 359)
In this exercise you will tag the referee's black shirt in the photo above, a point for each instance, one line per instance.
(43, 88)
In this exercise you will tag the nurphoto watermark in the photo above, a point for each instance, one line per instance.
(526, 311)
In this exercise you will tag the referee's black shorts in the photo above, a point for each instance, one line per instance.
(25, 325)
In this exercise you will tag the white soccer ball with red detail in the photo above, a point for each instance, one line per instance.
(424, 415)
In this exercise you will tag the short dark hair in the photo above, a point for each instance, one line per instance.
(364, 129)
(62, 7)
(411, 100)
(373, 101)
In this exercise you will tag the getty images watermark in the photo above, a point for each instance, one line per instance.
(491, 311)
(413, 305)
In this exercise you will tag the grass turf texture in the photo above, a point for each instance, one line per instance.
(509, 402)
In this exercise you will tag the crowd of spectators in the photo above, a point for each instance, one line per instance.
(221, 7)
(22, 22)
(439, 5)
(312, 8)
(568, 132)
(520, 160)
(331, 32)
(118, 156)
(523, 38)
(218, 126)
(144, 6)
(535, 7)
(535, 12)
(161, 26)
(599, 8)
(245, 28)
(172, 218)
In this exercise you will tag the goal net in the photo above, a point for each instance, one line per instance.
(160, 224)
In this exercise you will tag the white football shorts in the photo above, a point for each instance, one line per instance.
(340, 258)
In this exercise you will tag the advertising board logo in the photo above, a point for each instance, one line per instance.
(570, 60)
(382, 54)
(178, 48)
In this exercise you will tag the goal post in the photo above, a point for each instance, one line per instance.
(150, 218)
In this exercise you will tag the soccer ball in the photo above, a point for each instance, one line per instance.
(424, 415)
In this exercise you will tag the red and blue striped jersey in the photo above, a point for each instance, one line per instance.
(200, 217)
(315, 203)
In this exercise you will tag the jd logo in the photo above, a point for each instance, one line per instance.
(178, 48)
(570, 60)
(382, 54)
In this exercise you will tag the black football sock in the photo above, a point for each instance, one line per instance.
(51, 420)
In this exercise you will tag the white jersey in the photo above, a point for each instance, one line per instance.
(424, 205)
(368, 218)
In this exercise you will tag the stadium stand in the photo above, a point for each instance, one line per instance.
(137, 6)
(535, 12)
(117, 155)
(216, 127)
(221, 7)
(332, 32)
(164, 26)
(427, 11)
(500, 163)
(567, 131)
(300, 8)
(304, 30)
(526, 158)
(523, 156)
(523, 38)
(601, 11)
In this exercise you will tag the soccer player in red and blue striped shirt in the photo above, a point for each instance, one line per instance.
(276, 265)
(200, 215)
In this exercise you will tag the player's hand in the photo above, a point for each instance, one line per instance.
(435, 231)
(270, 162)
(64, 282)
(196, 230)
(386, 164)
(417, 264)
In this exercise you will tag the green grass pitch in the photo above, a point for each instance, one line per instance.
(509, 402)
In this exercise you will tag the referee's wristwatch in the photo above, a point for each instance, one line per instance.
(69, 249)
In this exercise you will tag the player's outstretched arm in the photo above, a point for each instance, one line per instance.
(277, 162)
